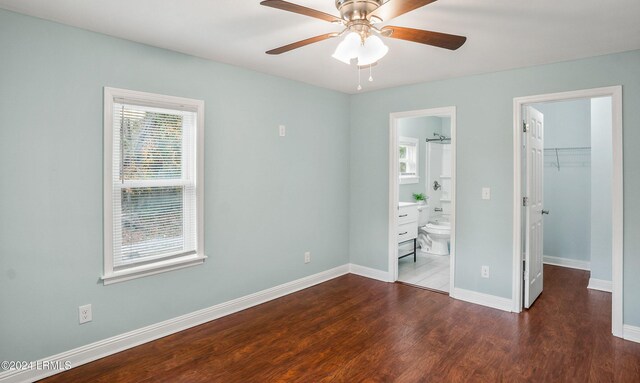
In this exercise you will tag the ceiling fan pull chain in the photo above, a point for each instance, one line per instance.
(370, 73)
(359, 86)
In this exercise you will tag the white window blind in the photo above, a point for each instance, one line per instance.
(408, 160)
(154, 192)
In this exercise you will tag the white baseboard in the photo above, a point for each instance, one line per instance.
(600, 284)
(100, 349)
(504, 304)
(631, 333)
(368, 272)
(567, 262)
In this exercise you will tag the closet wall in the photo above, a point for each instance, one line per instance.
(601, 164)
(567, 181)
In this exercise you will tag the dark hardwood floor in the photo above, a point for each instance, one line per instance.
(353, 329)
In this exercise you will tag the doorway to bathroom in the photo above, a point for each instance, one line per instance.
(422, 198)
(568, 192)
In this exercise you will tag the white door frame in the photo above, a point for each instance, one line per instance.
(615, 92)
(394, 182)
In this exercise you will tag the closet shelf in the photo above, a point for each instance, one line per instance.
(578, 150)
(566, 149)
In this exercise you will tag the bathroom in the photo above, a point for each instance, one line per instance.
(425, 202)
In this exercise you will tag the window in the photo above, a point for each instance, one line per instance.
(408, 156)
(153, 179)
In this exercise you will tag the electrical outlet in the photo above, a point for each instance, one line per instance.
(84, 314)
(485, 272)
(307, 257)
(283, 130)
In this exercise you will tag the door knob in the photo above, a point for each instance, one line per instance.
(545, 212)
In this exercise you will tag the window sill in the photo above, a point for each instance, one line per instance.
(409, 180)
(155, 268)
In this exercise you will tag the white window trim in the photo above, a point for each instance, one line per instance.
(113, 276)
(410, 179)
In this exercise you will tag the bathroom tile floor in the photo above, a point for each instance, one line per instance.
(431, 271)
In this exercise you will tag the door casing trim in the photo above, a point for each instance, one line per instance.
(615, 92)
(394, 183)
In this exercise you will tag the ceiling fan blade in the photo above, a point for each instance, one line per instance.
(395, 8)
(437, 39)
(300, 44)
(295, 8)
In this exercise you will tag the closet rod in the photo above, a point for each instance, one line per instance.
(557, 150)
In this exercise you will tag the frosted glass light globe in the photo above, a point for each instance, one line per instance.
(372, 51)
(348, 48)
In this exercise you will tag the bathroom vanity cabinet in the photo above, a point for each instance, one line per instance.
(408, 225)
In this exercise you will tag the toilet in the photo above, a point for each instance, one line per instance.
(433, 234)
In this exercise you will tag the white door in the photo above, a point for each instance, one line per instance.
(534, 149)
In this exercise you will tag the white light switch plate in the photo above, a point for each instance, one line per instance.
(283, 130)
(486, 193)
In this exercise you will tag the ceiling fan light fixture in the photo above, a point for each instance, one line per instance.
(368, 53)
(372, 51)
(348, 48)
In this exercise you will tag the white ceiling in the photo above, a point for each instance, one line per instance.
(502, 34)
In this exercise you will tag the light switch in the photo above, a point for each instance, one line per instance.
(283, 130)
(486, 193)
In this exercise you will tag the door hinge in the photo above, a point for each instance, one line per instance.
(525, 126)
(525, 201)
(524, 269)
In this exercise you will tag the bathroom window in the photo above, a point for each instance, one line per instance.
(153, 184)
(408, 157)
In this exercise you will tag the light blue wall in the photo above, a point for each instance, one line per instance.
(446, 126)
(601, 217)
(485, 158)
(567, 191)
(268, 199)
(566, 123)
(420, 128)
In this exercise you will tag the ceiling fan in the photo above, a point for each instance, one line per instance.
(359, 17)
